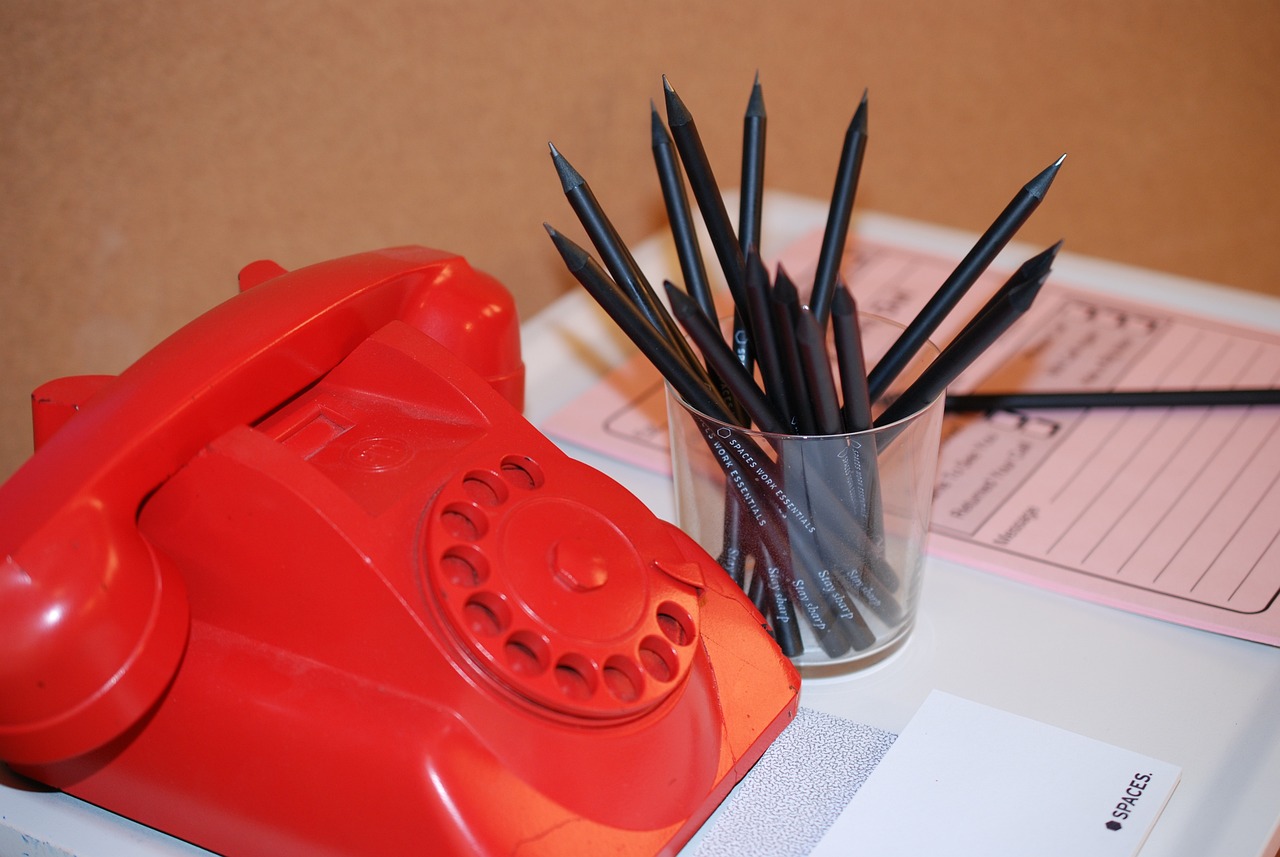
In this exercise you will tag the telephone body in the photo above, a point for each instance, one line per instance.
(302, 580)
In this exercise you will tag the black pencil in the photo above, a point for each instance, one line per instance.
(840, 213)
(1113, 399)
(706, 193)
(1008, 304)
(855, 411)
(616, 256)
(975, 262)
(848, 475)
(680, 218)
(751, 200)
(816, 365)
(733, 555)
(637, 328)
(764, 338)
(785, 300)
(781, 614)
(721, 360)
(855, 401)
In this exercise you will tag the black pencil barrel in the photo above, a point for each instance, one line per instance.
(782, 615)
(764, 338)
(751, 200)
(839, 213)
(855, 410)
(706, 193)
(785, 302)
(855, 404)
(680, 218)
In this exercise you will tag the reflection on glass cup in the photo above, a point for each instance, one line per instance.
(825, 533)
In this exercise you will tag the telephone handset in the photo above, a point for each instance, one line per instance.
(303, 580)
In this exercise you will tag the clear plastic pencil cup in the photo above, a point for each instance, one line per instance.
(825, 533)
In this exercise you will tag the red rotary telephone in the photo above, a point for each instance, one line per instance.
(303, 581)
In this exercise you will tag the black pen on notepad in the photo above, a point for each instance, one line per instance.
(1202, 398)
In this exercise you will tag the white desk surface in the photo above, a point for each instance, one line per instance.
(1208, 703)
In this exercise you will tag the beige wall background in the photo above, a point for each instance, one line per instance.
(150, 149)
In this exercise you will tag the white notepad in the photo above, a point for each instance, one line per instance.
(963, 779)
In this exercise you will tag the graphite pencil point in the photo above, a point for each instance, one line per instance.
(1039, 185)
(569, 177)
(677, 113)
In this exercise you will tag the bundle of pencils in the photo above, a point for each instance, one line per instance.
(799, 543)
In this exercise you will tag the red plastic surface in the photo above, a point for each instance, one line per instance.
(76, 577)
(303, 581)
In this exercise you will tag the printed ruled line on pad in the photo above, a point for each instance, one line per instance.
(1176, 501)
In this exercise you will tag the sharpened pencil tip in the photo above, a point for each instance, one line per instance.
(682, 305)
(784, 288)
(1044, 258)
(575, 258)
(1026, 296)
(659, 131)
(808, 331)
(677, 113)
(1040, 261)
(842, 303)
(569, 177)
(1025, 284)
(755, 104)
(1039, 185)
